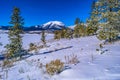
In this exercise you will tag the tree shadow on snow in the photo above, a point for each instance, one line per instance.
(47, 52)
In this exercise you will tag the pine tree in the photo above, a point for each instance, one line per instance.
(79, 29)
(76, 28)
(69, 34)
(14, 48)
(63, 33)
(77, 21)
(118, 22)
(76, 31)
(57, 34)
(92, 22)
(108, 18)
(43, 38)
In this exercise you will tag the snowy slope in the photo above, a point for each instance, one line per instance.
(27, 39)
(92, 65)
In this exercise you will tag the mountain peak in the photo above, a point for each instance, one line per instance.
(53, 25)
(54, 22)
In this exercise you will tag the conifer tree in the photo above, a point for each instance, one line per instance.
(108, 18)
(14, 48)
(118, 22)
(76, 31)
(69, 34)
(63, 33)
(92, 22)
(76, 28)
(43, 38)
(57, 34)
(77, 21)
(79, 29)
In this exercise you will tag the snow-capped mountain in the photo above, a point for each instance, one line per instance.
(49, 26)
(53, 25)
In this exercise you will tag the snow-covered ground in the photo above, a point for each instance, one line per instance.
(27, 39)
(92, 65)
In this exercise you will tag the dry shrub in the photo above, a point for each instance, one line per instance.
(54, 67)
(101, 46)
(35, 47)
(7, 63)
(41, 46)
(72, 59)
(32, 47)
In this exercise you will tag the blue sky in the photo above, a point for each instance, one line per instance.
(37, 12)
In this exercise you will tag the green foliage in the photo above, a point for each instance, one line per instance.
(108, 15)
(64, 33)
(92, 26)
(69, 34)
(43, 37)
(15, 46)
(90, 30)
(118, 22)
(57, 34)
(107, 35)
(77, 21)
(7, 63)
(102, 35)
(76, 31)
(79, 30)
(92, 22)
(54, 67)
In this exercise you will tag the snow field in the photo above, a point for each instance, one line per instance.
(92, 65)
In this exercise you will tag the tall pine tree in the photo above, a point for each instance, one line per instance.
(92, 22)
(108, 18)
(14, 48)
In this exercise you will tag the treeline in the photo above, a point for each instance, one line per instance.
(80, 30)
(104, 22)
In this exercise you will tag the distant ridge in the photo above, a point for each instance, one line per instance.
(51, 25)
